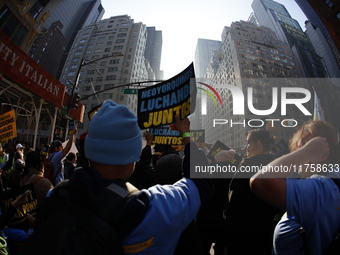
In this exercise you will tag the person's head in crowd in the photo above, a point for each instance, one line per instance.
(71, 157)
(56, 146)
(168, 169)
(19, 155)
(311, 129)
(113, 143)
(258, 142)
(33, 159)
(19, 147)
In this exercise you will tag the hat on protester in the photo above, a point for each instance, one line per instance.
(113, 137)
(19, 146)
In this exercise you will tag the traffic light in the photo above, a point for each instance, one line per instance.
(75, 100)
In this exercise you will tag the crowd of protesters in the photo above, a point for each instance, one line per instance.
(259, 214)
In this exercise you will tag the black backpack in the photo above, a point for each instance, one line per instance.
(65, 228)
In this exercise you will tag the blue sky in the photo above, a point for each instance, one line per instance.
(183, 22)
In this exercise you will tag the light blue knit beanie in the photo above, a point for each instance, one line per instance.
(114, 137)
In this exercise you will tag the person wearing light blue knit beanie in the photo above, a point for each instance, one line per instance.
(114, 137)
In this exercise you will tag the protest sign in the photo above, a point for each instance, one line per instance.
(19, 219)
(219, 146)
(164, 135)
(158, 104)
(280, 147)
(8, 127)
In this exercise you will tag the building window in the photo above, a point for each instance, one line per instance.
(110, 77)
(329, 3)
(38, 7)
(11, 26)
(114, 61)
(108, 86)
(112, 69)
(120, 40)
(338, 15)
(107, 95)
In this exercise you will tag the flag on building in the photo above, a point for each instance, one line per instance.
(318, 114)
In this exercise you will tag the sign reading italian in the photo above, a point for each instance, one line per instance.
(158, 104)
(18, 66)
(8, 127)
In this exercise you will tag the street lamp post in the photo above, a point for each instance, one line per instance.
(75, 85)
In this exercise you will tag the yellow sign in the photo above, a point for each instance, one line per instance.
(8, 127)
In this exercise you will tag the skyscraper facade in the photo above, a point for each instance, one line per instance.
(275, 16)
(328, 13)
(203, 53)
(250, 56)
(312, 65)
(73, 16)
(115, 47)
(22, 21)
(153, 50)
(321, 38)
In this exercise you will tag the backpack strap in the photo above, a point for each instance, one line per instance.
(37, 179)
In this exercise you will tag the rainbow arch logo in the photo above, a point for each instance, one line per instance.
(212, 95)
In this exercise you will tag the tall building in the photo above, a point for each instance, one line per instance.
(153, 50)
(324, 14)
(34, 94)
(73, 16)
(249, 56)
(322, 47)
(203, 53)
(275, 16)
(22, 21)
(115, 49)
(312, 65)
(47, 49)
